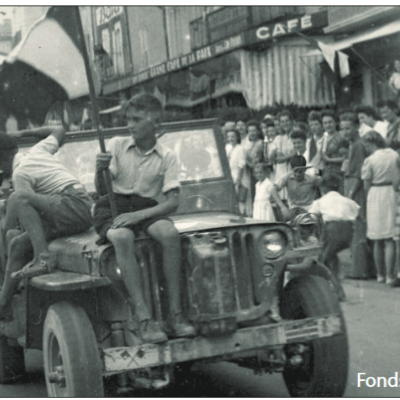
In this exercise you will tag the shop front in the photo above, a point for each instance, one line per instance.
(371, 54)
(262, 65)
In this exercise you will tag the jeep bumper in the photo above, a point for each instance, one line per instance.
(120, 359)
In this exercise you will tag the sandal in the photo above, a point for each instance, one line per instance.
(46, 263)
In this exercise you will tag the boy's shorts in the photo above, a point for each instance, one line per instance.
(69, 213)
(103, 218)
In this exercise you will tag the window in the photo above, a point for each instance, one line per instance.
(103, 60)
(144, 47)
(105, 40)
(118, 53)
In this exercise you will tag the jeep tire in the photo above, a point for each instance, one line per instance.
(71, 357)
(323, 372)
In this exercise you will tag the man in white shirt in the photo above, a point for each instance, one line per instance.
(367, 117)
(338, 213)
(48, 202)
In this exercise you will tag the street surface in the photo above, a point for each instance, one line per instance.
(373, 325)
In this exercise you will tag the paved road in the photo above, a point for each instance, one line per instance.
(372, 315)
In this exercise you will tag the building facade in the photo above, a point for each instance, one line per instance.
(369, 36)
(207, 56)
(202, 57)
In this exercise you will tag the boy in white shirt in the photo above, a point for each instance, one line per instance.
(338, 213)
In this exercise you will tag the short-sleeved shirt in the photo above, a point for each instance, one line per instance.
(147, 175)
(380, 166)
(300, 194)
(380, 127)
(357, 155)
(42, 169)
(335, 207)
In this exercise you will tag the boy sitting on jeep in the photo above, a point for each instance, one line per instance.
(141, 169)
(48, 202)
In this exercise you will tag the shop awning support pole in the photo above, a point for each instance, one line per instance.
(95, 108)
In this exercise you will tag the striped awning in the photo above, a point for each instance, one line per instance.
(279, 74)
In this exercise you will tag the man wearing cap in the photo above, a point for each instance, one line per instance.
(48, 202)
(302, 189)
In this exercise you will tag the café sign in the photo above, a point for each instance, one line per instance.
(107, 13)
(283, 28)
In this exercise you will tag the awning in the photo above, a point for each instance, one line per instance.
(374, 33)
(279, 75)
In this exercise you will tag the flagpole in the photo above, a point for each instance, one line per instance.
(95, 107)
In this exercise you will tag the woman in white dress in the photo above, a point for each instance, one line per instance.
(378, 173)
(237, 163)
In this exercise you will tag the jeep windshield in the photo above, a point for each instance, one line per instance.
(202, 165)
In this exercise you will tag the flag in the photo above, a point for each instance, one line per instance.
(45, 67)
(329, 54)
(344, 64)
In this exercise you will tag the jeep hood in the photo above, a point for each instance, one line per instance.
(85, 243)
(210, 220)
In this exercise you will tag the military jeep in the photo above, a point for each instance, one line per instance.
(240, 292)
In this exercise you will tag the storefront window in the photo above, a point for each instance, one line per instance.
(118, 53)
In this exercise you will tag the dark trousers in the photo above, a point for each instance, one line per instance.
(337, 236)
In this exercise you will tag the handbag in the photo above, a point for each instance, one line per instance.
(242, 193)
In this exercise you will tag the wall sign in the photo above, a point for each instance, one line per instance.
(106, 14)
(189, 59)
(283, 28)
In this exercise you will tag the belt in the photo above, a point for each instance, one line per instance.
(382, 184)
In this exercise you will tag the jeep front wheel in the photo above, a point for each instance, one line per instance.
(71, 357)
(322, 369)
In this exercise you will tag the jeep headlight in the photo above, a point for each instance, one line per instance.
(272, 244)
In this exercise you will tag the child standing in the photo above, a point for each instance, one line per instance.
(264, 190)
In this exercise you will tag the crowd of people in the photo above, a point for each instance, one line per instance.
(282, 167)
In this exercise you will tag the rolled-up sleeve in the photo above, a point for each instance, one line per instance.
(112, 148)
(366, 170)
(171, 175)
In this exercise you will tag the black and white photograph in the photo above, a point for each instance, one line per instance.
(199, 201)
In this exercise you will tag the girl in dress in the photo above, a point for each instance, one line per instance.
(262, 208)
